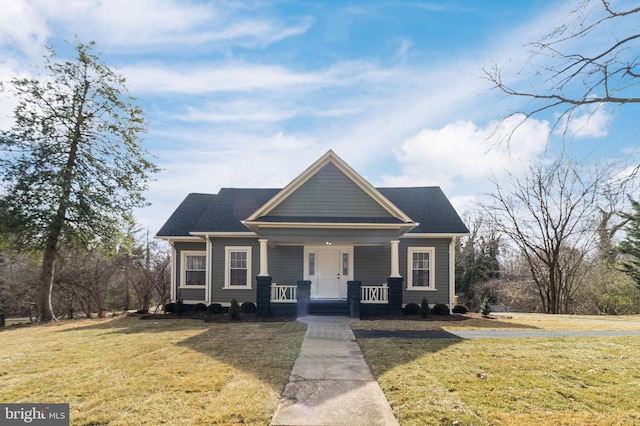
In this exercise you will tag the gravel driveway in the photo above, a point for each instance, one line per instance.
(489, 334)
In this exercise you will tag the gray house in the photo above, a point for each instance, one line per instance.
(328, 236)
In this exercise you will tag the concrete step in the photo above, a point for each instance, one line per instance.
(328, 307)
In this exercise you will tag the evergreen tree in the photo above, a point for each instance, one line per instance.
(72, 162)
(630, 247)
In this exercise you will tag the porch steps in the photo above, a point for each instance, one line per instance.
(328, 307)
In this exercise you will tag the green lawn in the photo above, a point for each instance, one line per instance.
(127, 371)
(563, 381)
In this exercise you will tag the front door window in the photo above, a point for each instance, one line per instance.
(329, 268)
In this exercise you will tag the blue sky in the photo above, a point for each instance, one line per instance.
(250, 93)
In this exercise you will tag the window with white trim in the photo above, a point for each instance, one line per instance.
(237, 267)
(420, 268)
(194, 268)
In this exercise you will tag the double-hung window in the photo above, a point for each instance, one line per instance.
(238, 267)
(194, 267)
(420, 268)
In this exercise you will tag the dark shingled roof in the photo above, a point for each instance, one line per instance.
(186, 216)
(429, 207)
(223, 212)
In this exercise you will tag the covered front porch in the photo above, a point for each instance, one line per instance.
(295, 300)
(329, 266)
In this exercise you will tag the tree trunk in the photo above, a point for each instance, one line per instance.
(45, 310)
(55, 229)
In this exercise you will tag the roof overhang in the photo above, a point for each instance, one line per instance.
(224, 234)
(256, 226)
(179, 238)
(434, 235)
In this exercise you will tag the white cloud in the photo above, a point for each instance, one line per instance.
(462, 150)
(23, 26)
(165, 24)
(206, 79)
(585, 122)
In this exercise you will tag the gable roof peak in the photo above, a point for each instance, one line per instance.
(330, 157)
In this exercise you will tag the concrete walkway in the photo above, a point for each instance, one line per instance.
(330, 383)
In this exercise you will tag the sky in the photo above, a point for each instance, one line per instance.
(250, 93)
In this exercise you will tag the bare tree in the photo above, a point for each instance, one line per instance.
(148, 274)
(18, 283)
(87, 278)
(549, 215)
(590, 60)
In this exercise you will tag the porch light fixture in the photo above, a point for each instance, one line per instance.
(328, 243)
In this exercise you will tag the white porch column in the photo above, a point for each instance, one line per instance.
(264, 260)
(172, 292)
(395, 263)
(452, 273)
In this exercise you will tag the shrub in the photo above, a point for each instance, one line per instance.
(180, 308)
(411, 309)
(460, 309)
(440, 309)
(248, 308)
(199, 307)
(485, 307)
(424, 307)
(170, 308)
(214, 308)
(234, 310)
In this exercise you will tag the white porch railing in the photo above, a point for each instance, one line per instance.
(283, 293)
(374, 294)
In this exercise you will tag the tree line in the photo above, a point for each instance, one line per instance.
(562, 238)
(88, 282)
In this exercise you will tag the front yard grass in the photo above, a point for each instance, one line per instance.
(555, 381)
(127, 371)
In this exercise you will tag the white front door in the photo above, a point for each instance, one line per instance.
(329, 268)
(328, 273)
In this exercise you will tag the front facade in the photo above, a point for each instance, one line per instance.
(327, 228)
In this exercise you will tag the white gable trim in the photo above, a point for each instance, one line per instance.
(329, 157)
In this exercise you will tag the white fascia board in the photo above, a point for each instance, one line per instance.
(181, 238)
(324, 225)
(224, 234)
(444, 235)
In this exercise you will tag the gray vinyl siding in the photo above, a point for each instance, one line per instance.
(372, 264)
(329, 193)
(219, 294)
(441, 264)
(286, 264)
(191, 294)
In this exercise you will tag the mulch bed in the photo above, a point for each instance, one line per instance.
(216, 318)
(246, 317)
